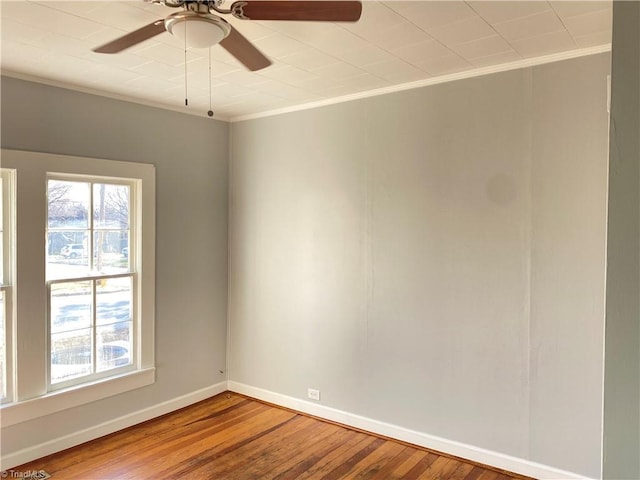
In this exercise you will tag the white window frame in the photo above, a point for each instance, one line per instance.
(134, 190)
(7, 177)
(32, 396)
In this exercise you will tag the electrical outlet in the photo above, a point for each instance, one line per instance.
(313, 394)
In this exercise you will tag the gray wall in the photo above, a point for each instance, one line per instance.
(191, 159)
(622, 359)
(433, 259)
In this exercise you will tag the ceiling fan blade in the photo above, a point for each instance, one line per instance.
(319, 11)
(133, 38)
(241, 48)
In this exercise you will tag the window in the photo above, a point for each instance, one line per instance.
(84, 289)
(90, 278)
(6, 280)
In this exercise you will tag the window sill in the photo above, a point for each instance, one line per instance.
(22, 411)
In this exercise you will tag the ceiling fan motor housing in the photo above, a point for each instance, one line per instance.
(200, 30)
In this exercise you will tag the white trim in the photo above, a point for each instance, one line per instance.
(91, 433)
(470, 452)
(114, 96)
(476, 72)
(8, 179)
(605, 277)
(31, 396)
(56, 401)
(528, 62)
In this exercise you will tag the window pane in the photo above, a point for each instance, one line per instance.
(111, 206)
(67, 254)
(70, 306)
(68, 204)
(110, 251)
(113, 300)
(114, 346)
(70, 355)
(113, 311)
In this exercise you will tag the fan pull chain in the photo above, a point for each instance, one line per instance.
(186, 100)
(210, 112)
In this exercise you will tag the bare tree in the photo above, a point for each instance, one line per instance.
(117, 206)
(57, 199)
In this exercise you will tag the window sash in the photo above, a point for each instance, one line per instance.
(90, 230)
(7, 179)
(92, 276)
(95, 374)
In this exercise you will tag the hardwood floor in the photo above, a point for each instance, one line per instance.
(232, 437)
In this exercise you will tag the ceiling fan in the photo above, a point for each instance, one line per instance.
(200, 25)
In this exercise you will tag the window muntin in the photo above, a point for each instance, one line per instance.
(90, 279)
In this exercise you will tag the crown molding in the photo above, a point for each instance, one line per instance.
(102, 93)
(477, 72)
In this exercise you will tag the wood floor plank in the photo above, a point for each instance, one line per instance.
(168, 440)
(440, 469)
(461, 472)
(128, 442)
(181, 466)
(110, 448)
(299, 448)
(489, 475)
(233, 437)
(388, 471)
(336, 457)
(307, 458)
(265, 454)
(371, 464)
(475, 473)
(422, 465)
(340, 471)
(172, 441)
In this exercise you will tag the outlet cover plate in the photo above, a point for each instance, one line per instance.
(313, 394)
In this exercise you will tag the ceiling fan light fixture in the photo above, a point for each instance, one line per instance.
(200, 30)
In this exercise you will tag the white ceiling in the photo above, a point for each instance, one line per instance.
(394, 43)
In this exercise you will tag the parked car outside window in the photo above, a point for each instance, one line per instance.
(73, 251)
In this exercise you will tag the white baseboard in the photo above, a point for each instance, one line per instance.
(480, 455)
(76, 438)
(470, 452)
